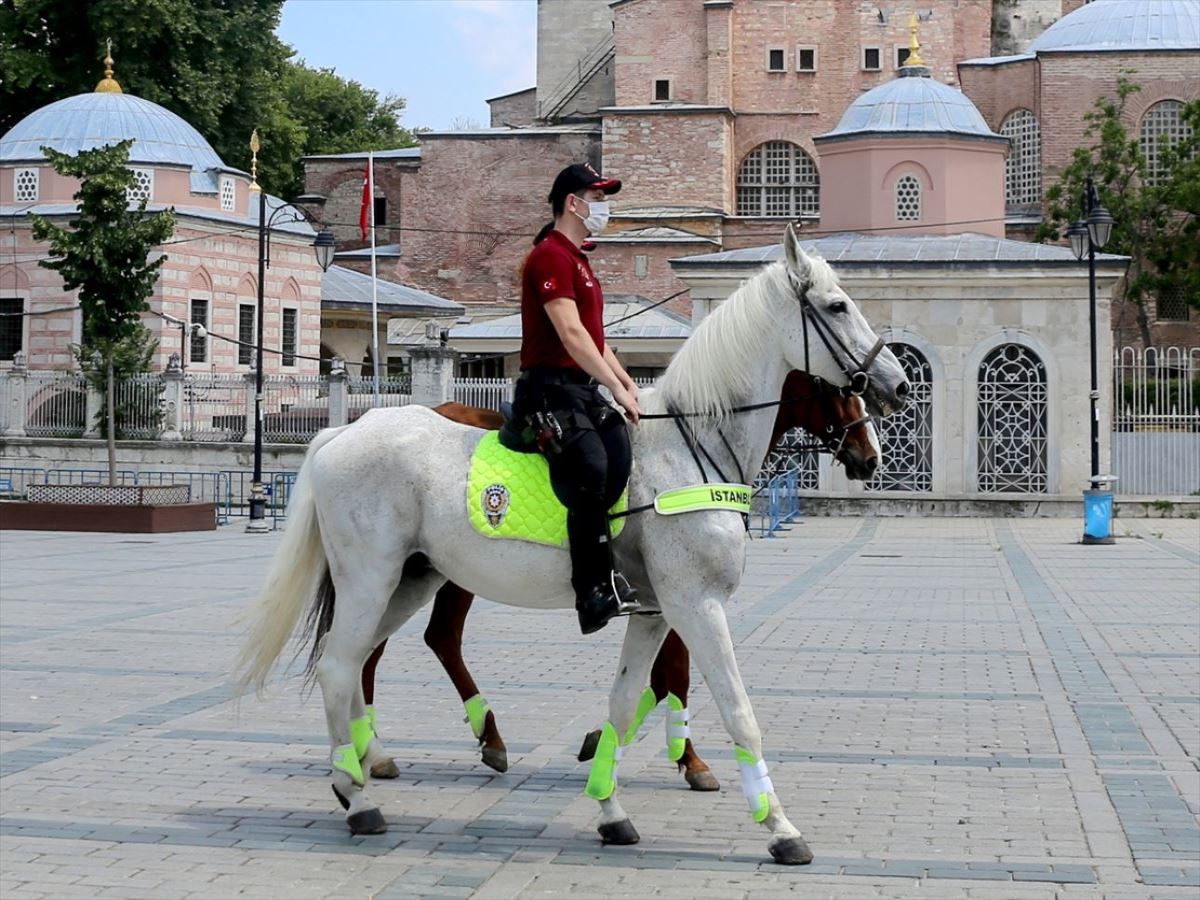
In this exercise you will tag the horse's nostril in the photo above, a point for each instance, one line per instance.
(872, 463)
(902, 389)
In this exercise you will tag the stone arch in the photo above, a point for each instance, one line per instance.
(906, 167)
(1014, 446)
(13, 278)
(291, 290)
(200, 281)
(924, 420)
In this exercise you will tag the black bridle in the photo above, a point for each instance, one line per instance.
(854, 369)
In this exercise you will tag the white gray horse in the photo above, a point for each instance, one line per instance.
(378, 520)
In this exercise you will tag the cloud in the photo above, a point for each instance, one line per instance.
(501, 36)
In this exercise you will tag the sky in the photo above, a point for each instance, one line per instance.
(444, 57)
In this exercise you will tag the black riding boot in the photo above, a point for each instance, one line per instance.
(600, 591)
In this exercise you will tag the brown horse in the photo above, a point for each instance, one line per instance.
(839, 423)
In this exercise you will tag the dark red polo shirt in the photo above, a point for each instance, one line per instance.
(557, 268)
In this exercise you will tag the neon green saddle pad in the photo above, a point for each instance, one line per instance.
(509, 496)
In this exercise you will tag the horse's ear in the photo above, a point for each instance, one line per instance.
(797, 259)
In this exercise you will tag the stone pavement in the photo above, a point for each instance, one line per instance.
(951, 708)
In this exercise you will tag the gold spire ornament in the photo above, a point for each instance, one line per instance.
(254, 145)
(108, 84)
(914, 45)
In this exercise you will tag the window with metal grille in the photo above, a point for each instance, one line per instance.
(246, 334)
(778, 179)
(906, 438)
(1012, 416)
(1162, 127)
(142, 187)
(1023, 167)
(228, 194)
(199, 344)
(908, 199)
(25, 185)
(12, 327)
(870, 59)
(776, 61)
(1172, 305)
(290, 336)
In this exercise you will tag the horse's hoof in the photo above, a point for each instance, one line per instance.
(369, 821)
(791, 852)
(588, 749)
(386, 768)
(702, 780)
(495, 758)
(342, 800)
(621, 832)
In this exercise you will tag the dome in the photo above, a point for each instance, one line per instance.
(92, 120)
(910, 104)
(1124, 25)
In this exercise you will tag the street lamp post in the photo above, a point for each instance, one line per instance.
(324, 248)
(1087, 236)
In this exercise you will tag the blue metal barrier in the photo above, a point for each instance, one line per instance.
(780, 503)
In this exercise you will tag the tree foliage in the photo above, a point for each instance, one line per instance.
(104, 253)
(1156, 212)
(216, 63)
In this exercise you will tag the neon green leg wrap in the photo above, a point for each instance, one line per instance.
(477, 710)
(345, 759)
(602, 779)
(677, 728)
(756, 785)
(646, 704)
(371, 718)
(360, 733)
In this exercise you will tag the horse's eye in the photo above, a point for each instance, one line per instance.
(838, 307)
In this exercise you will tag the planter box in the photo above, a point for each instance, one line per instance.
(106, 495)
(130, 509)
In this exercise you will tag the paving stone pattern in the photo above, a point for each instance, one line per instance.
(951, 708)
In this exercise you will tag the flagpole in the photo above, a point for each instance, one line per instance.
(374, 277)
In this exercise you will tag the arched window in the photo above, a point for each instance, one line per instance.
(796, 449)
(1162, 127)
(1012, 421)
(906, 438)
(1023, 167)
(908, 199)
(778, 179)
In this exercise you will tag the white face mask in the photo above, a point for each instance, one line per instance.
(597, 217)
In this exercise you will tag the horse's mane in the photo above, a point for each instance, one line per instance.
(715, 368)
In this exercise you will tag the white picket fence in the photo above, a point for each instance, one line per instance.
(1156, 421)
(486, 392)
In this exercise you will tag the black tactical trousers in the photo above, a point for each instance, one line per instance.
(589, 469)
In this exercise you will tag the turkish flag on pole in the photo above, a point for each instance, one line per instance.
(364, 214)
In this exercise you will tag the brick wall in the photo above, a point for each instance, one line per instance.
(492, 192)
(661, 40)
(670, 158)
(514, 110)
(340, 182)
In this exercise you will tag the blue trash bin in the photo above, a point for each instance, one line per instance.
(1097, 516)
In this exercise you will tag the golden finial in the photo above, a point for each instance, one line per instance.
(108, 84)
(914, 45)
(254, 161)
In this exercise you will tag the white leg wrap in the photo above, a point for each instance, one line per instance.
(677, 724)
(617, 754)
(756, 785)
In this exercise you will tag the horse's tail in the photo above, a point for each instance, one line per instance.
(293, 580)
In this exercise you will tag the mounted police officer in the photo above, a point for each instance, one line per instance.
(564, 360)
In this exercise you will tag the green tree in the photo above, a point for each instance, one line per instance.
(104, 253)
(1156, 211)
(217, 64)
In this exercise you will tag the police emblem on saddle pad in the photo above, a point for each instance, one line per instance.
(509, 496)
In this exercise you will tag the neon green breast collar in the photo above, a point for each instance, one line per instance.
(700, 497)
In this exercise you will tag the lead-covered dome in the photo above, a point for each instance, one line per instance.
(93, 120)
(912, 103)
(1133, 25)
